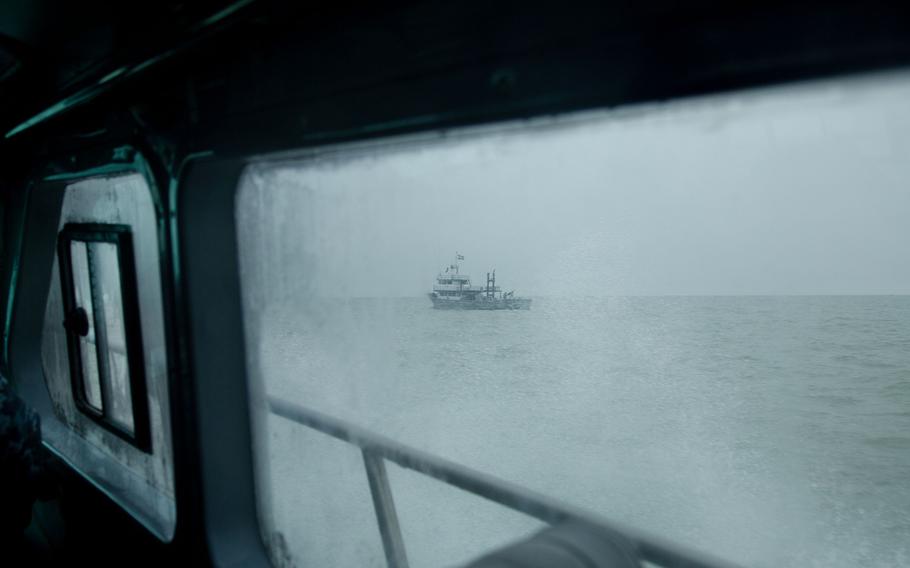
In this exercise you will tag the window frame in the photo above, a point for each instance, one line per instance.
(121, 236)
(28, 272)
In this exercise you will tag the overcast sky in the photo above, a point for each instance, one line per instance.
(796, 190)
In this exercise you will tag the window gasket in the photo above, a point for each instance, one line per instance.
(121, 236)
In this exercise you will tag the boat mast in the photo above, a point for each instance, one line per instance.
(491, 285)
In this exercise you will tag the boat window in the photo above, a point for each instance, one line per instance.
(103, 347)
(87, 383)
(98, 282)
(699, 326)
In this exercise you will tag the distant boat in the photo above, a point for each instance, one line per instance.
(453, 291)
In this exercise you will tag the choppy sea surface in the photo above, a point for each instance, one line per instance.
(770, 431)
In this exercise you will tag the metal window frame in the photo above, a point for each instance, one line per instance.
(210, 320)
(28, 268)
(121, 236)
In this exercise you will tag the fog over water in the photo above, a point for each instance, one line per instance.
(766, 428)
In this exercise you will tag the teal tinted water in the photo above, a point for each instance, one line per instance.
(768, 430)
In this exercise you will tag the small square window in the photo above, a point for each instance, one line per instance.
(104, 342)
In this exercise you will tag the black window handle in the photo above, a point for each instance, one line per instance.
(76, 321)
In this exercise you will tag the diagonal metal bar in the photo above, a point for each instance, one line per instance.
(386, 516)
(649, 547)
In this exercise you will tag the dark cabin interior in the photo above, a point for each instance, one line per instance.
(184, 91)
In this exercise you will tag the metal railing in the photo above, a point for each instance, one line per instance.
(378, 449)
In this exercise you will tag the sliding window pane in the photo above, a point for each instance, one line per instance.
(106, 275)
(91, 383)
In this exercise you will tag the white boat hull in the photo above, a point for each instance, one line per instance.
(480, 303)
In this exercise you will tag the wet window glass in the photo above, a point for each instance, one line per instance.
(691, 317)
(91, 383)
(107, 278)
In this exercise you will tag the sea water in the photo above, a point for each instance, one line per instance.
(770, 431)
